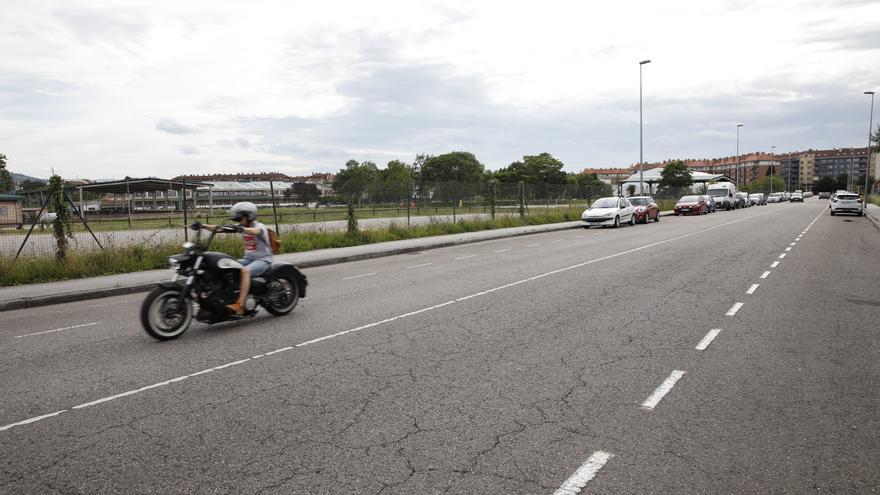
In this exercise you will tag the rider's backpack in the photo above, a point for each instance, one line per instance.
(274, 243)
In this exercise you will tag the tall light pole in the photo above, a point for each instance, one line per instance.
(641, 134)
(737, 154)
(868, 168)
(772, 161)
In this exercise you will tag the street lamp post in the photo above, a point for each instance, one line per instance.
(737, 155)
(772, 161)
(641, 134)
(868, 165)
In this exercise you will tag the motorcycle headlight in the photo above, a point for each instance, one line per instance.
(174, 262)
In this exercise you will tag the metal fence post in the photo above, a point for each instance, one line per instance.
(522, 199)
(185, 215)
(274, 211)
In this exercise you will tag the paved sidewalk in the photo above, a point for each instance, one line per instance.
(873, 214)
(96, 287)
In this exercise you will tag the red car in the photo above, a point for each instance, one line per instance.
(691, 205)
(646, 208)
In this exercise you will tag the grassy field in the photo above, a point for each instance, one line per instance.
(286, 215)
(138, 258)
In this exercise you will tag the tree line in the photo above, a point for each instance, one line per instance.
(460, 175)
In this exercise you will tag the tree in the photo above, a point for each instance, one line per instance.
(30, 185)
(675, 177)
(303, 192)
(457, 166)
(824, 184)
(397, 181)
(762, 185)
(841, 182)
(540, 169)
(590, 186)
(7, 185)
(356, 180)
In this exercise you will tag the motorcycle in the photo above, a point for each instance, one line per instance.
(203, 284)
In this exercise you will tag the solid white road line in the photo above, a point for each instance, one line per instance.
(466, 257)
(775, 264)
(533, 245)
(31, 420)
(360, 276)
(752, 289)
(418, 266)
(733, 309)
(708, 339)
(387, 320)
(502, 251)
(57, 330)
(664, 388)
(782, 256)
(584, 474)
(765, 274)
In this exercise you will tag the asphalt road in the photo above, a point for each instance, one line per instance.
(538, 364)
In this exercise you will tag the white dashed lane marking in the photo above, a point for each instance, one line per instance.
(502, 250)
(466, 257)
(584, 474)
(708, 339)
(58, 330)
(765, 274)
(752, 289)
(419, 266)
(733, 309)
(782, 256)
(661, 391)
(775, 264)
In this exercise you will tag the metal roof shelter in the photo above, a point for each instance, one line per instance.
(150, 184)
(653, 176)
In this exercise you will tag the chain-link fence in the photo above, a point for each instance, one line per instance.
(406, 204)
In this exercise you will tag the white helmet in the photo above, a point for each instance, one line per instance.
(243, 209)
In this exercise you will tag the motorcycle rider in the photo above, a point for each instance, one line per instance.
(257, 249)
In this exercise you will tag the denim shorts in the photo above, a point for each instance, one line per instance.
(256, 267)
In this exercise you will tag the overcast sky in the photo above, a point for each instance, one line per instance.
(162, 88)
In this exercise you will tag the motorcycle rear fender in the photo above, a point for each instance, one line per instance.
(288, 270)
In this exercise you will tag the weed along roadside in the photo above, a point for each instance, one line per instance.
(136, 258)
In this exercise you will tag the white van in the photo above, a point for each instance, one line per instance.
(724, 194)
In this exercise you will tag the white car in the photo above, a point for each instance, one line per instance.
(609, 212)
(797, 196)
(774, 198)
(847, 203)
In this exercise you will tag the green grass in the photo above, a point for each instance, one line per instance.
(286, 215)
(28, 270)
(874, 199)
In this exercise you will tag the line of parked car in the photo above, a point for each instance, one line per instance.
(613, 211)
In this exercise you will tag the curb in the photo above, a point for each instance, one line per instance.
(65, 297)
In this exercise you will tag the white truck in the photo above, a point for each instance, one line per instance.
(724, 194)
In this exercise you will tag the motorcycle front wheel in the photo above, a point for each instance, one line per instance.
(161, 315)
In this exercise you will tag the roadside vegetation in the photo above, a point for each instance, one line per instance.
(114, 260)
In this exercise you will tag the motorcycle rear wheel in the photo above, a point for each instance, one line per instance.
(283, 296)
(161, 316)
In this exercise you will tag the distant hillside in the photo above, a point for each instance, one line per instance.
(19, 178)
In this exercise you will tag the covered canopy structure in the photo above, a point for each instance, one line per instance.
(150, 193)
(653, 176)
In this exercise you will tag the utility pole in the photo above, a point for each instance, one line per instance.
(641, 135)
(738, 185)
(868, 165)
(772, 161)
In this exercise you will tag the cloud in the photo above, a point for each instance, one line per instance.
(190, 150)
(243, 142)
(171, 126)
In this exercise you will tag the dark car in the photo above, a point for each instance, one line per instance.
(646, 208)
(691, 205)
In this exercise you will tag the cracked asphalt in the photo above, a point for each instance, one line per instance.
(507, 391)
